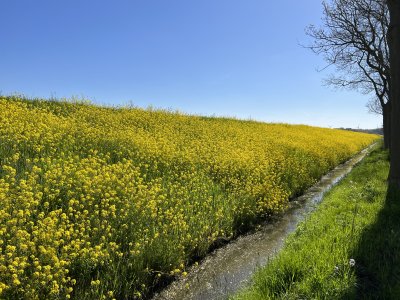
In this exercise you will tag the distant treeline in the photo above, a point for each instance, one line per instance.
(373, 131)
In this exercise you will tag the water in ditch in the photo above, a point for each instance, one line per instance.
(229, 268)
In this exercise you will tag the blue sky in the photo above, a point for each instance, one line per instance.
(212, 57)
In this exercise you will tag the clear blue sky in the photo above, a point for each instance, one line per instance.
(213, 57)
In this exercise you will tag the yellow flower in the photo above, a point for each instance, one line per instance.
(104, 188)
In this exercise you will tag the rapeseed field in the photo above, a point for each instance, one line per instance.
(106, 203)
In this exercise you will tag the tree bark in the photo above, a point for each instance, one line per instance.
(386, 111)
(394, 54)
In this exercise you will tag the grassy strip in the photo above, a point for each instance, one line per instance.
(348, 248)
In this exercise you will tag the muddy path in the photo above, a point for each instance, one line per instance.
(227, 269)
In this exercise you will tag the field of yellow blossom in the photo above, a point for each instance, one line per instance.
(104, 203)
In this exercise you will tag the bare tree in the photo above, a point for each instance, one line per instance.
(353, 38)
(394, 48)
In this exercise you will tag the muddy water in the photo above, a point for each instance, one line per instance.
(229, 268)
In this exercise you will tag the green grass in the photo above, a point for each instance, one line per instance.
(358, 220)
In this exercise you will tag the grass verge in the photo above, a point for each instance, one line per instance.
(349, 248)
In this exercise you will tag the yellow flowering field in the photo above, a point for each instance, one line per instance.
(104, 203)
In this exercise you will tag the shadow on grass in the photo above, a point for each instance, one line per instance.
(377, 255)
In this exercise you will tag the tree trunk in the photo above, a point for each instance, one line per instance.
(386, 111)
(394, 50)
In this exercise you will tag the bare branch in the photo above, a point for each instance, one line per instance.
(353, 38)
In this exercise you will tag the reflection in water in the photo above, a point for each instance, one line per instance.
(227, 269)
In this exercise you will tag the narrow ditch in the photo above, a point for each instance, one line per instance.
(227, 269)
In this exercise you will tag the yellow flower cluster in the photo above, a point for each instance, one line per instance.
(102, 203)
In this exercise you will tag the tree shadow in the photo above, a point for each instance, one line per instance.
(377, 255)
